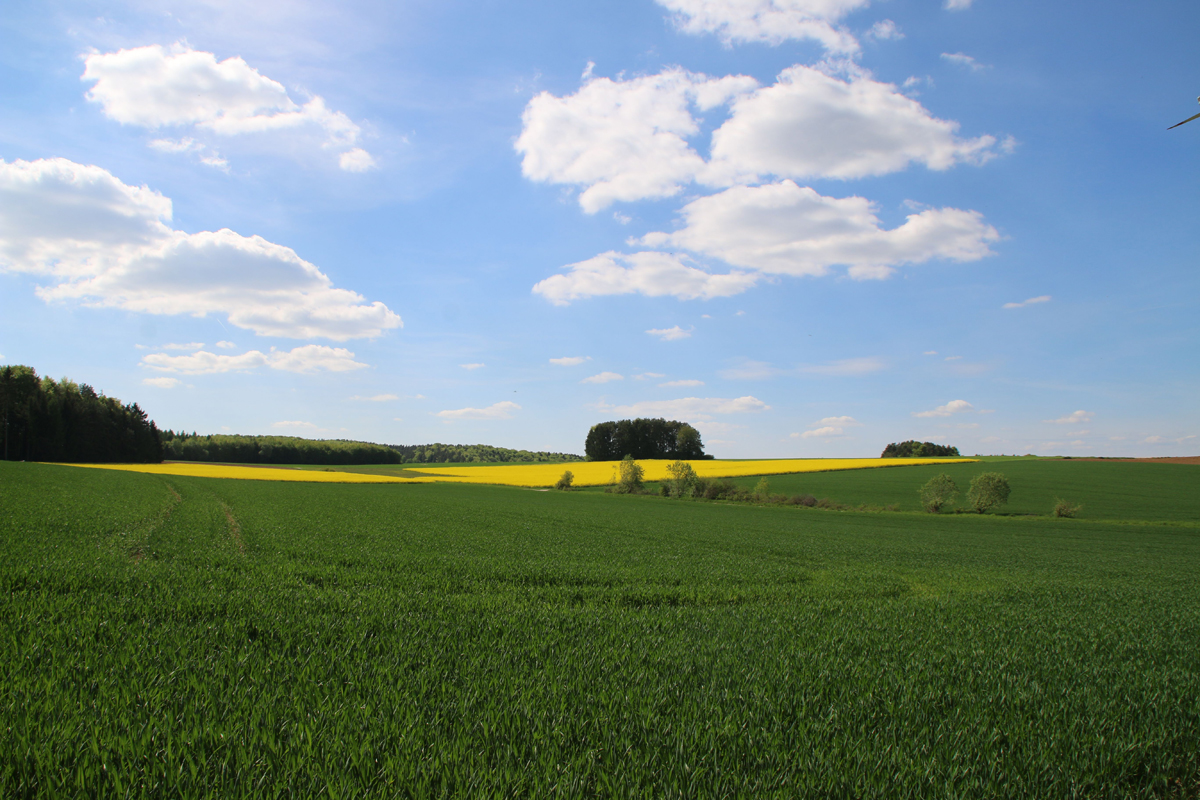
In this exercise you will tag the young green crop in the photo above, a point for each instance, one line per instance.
(195, 637)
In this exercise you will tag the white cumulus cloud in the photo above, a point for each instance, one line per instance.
(700, 408)
(883, 30)
(814, 124)
(621, 140)
(569, 361)
(648, 273)
(784, 228)
(604, 377)
(950, 409)
(502, 410)
(305, 359)
(157, 87)
(109, 244)
(841, 421)
(670, 334)
(769, 21)
(626, 140)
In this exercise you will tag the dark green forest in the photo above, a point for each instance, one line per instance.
(46, 420)
(914, 449)
(643, 438)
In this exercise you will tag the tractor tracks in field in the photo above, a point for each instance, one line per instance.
(139, 548)
(235, 528)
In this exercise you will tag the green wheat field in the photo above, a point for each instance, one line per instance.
(189, 637)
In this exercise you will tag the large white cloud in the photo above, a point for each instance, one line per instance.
(306, 359)
(109, 244)
(814, 124)
(770, 21)
(648, 273)
(622, 140)
(156, 87)
(788, 229)
(628, 140)
(948, 410)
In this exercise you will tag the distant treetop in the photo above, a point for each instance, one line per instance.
(913, 449)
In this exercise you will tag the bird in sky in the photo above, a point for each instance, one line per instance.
(1189, 119)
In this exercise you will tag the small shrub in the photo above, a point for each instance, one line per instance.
(808, 500)
(762, 489)
(939, 492)
(1064, 509)
(564, 483)
(988, 490)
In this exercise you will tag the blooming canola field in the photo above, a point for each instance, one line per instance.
(586, 473)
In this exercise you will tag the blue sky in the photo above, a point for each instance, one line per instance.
(809, 227)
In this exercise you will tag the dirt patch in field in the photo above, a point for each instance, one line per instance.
(1163, 460)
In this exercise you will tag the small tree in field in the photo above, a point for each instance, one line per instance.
(988, 489)
(629, 476)
(762, 489)
(684, 480)
(564, 483)
(939, 492)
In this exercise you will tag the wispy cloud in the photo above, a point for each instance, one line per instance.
(569, 361)
(378, 398)
(950, 409)
(690, 382)
(1074, 418)
(472, 366)
(699, 408)
(964, 60)
(502, 410)
(309, 358)
(847, 367)
(1045, 298)
(604, 377)
(670, 334)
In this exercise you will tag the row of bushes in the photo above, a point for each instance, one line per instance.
(987, 490)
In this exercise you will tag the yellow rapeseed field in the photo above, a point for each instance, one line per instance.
(587, 473)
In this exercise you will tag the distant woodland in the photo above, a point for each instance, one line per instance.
(46, 420)
(180, 446)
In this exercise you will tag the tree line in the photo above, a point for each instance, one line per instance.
(914, 449)
(46, 420)
(643, 438)
(181, 446)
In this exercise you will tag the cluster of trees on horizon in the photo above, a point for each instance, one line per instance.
(46, 420)
(643, 438)
(915, 449)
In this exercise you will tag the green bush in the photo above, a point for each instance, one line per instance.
(762, 489)
(564, 483)
(939, 492)
(1064, 509)
(684, 482)
(629, 477)
(988, 489)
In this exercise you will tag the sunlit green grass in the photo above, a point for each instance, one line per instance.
(192, 637)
